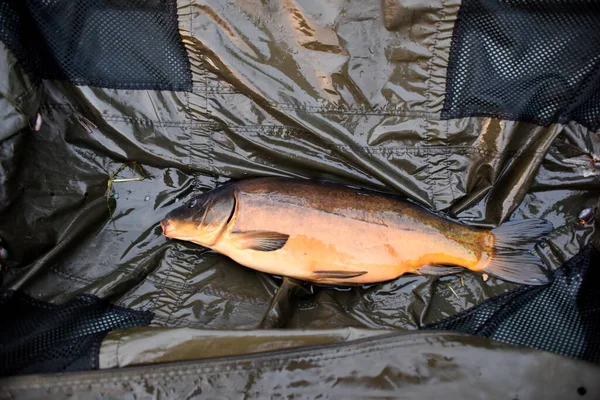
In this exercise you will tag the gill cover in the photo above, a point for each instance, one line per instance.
(203, 218)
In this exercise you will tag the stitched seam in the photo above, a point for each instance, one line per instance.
(95, 359)
(198, 289)
(434, 45)
(177, 304)
(118, 348)
(429, 90)
(377, 110)
(220, 89)
(143, 121)
(424, 150)
(19, 100)
(189, 156)
(152, 301)
(228, 296)
(308, 305)
(187, 53)
(121, 118)
(68, 276)
(445, 115)
(359, 349)
(179, 322)
(426, 122)
(447, 163)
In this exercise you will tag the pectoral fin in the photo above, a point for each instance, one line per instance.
(337, 274)
(260, 240)
(438, 270)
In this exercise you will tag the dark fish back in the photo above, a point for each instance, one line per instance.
(328, 197)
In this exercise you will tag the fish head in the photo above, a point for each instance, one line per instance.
(201, 219)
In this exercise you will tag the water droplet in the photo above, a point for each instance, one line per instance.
(38, 122)
(146, 198)
(534, 280)
(586, 216)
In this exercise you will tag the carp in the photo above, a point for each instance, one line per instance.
(329, 233)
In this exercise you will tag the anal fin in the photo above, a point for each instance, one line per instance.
(438, 270)
(260, 240)
(337, 274)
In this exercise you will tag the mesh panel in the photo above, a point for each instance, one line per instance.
(132, 44)
(530, 60)
(40, 337)
(563, 317)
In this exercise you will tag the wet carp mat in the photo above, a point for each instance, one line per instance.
(351, 92)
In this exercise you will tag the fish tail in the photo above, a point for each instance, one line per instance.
(511, 256)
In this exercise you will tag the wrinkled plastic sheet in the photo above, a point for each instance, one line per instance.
(344, 91)
(393, 366)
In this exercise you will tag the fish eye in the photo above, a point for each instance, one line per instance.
(192, 203)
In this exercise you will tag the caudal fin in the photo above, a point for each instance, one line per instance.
(512, 259)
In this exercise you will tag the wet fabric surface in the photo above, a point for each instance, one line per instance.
(345, 91)
(127, 347)
(396, 366)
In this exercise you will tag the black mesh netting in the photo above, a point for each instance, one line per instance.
(133, 44)
(530, 60)
(38, 337)
(563, 317)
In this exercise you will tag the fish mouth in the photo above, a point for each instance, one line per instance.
(165, 225)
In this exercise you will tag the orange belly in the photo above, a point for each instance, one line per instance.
(331, 242)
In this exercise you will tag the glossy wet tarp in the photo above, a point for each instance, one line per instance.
(393, 366)
(347, 91)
